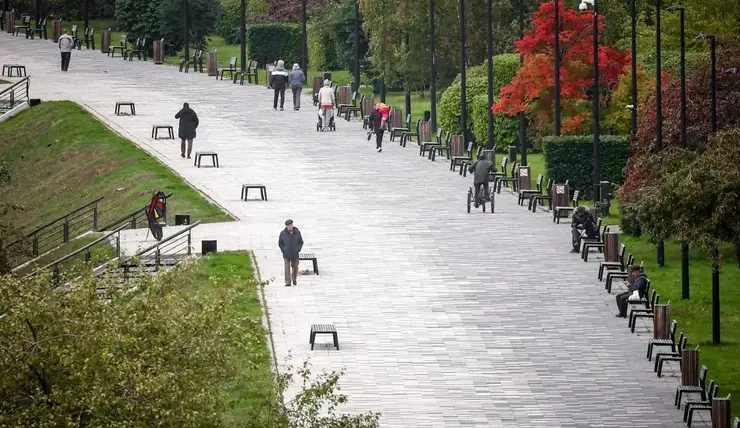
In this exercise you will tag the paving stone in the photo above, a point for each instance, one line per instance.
(445, 319)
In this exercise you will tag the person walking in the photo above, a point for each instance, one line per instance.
(376, 126)
(290, 243)
(279, 81)
(188, 124)
(326, 104)
(296, 85)
(66, 44)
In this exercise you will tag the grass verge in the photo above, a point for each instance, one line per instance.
(215, 274)
(60, 157)
(694, 315)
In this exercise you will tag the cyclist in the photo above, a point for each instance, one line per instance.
(480, 170)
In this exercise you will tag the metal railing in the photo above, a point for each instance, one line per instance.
(110, 239)
(137, 219)
(16, 94)
(55, 233)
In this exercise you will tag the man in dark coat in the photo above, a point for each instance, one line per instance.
(481, 170)
(188, 124)
(582, 223)
(291, 243)
(638, 283)
(376, 127)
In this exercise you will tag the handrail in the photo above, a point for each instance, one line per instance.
(79, 251)
(128, 217)
(163, 241)
(11, 90)
(51, 223)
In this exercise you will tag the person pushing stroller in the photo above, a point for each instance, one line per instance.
(326, 104)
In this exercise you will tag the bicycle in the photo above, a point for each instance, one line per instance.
(482, 197)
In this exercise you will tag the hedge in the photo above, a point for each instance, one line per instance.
(268, 43)
(505, 128)
(505, 67)
(571, 158)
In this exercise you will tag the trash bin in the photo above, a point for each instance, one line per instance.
(9, 21)
(512, 153)
(212, 64)
(56, 30)
(427, 116)
(525, 180)
(270, 67)
(157, 52)
(105, 41)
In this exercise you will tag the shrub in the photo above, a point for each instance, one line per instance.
(505, 128)
(571, 158)
(321, 51)
(228, 22)
(271, 42)
(504, 69)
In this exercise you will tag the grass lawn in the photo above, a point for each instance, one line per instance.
(694, 316)
(60, 158)
(212, 276)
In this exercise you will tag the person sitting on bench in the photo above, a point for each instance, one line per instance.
(480, 170)
(638, 283)
(582, 224)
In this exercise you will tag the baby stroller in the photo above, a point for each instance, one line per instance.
(332, 125)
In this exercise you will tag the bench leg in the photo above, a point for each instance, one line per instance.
(312, 339)
(316, 266)
(336, 340)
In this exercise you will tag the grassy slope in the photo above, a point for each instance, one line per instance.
(61, 158)
(218, 272)
(694, 316)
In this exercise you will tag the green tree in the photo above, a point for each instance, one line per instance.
(9, 233)
(228, 21)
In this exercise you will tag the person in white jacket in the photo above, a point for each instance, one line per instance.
(66, 44)
(326, 103)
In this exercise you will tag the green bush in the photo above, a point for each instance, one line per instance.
(505, 67)
(321, 52)
(505, 128)
(571, 158)
(671, 61)
(268, 43)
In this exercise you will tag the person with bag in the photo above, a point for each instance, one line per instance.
(582, 224)
(326, 104)
(635, 290)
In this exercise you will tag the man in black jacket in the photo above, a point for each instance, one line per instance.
(639, 284)
(481, 170)
(290, 243)
(279, 82)
(376, 127)
(582, 223)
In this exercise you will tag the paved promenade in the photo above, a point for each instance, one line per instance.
(445, 319)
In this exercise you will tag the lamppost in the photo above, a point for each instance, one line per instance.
(713, 111)
(463, 83)
(356, 77)
(433, 69)
(557, 68)
(522, 115)
(584, 6)
(491, 136)
(186, 8)
(407, 90)
(658, 109)
(304, 39)
(633, 13)
(38, 13)
(243, 35)
(685, 294)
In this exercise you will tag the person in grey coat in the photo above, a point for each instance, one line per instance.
(296, 79)
(481, 169)
(188, 124)
(66, 44)
(290, 243)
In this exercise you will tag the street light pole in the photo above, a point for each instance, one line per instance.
(38, 12)
(658, 108)
(685, 293)
(243, 34)
(491, 136)
(463, 83)
(407, 90)
(522, 115)
(304, 39)
(595, 91)
(187, 30)
(557, 68)
(633, 13)
(356, 77)
(433, 69)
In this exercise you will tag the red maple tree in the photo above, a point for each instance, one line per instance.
(532, 89)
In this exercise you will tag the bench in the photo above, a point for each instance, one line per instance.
(458, 156)
(397, 130)
(357, 111)
(89, 39)
(262, 188)
(528, 194)
(231, 69)
(405, 135)
(25, 26)
(323, 329)
(252, 71)
(662, 357)
(344, 100)
(443, 148)
(312, 258)
(623, 275)
(706, 405)
(693, 389)
(121, 48)
(200, 155)
(197, 61)
(540, 199)
(504, 180)
(646, 312)
(139, 49)
(426, 143)
(620, 265)
(671, 341)
(557, 212)
(20, 70)
(594, 243)
(40, 29)
(168, 128)
(73, 34)
(128, 104)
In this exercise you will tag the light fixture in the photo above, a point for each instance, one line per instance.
(584, 5)
(629, 107)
